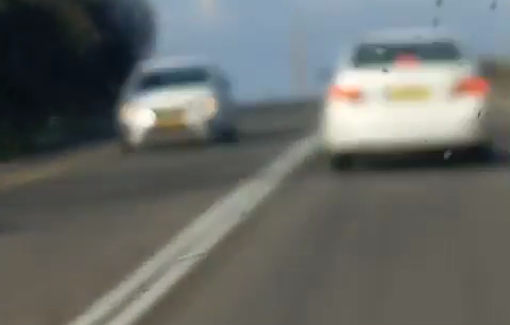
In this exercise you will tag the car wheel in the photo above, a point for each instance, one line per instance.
(126, 147)
(340, 162)
(232, 134)
(229, 134)
(484, 154)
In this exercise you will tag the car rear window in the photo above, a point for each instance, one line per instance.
(380, 53)
(173, 77)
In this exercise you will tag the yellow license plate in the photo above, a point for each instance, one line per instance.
(170, 119)
(409, 94)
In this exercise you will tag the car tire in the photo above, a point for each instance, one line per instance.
(126, 148)
(229, 134)
(485, 154)
(341, 162)
(232, 135)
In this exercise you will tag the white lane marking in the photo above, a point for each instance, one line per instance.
(140, 291)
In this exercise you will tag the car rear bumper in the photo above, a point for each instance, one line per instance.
(137, 136)
(206, 129)
(348, 131)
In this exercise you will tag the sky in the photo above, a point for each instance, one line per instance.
(251, 39)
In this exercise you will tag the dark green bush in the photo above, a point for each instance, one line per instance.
(66, 58)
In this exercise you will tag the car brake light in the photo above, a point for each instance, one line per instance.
(474, 86)
(407, 60)
(348, 94)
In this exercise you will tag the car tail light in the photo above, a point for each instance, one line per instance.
(346, 94)
(407, 60)
(473, 86)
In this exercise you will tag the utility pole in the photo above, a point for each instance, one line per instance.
(436, 21)
(493, 8)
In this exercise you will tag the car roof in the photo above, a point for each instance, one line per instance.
(181, 62)
(409, 35)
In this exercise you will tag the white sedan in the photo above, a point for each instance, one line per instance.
(404, 91)
(175, 97)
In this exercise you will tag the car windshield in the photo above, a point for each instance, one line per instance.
(380, 53)
(173, 77)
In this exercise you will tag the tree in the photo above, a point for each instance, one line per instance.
(67, 58)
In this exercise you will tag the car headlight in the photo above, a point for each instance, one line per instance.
(136, 116)
(211, 106)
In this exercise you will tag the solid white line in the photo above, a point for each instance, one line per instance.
(138, 293)
(142, 306)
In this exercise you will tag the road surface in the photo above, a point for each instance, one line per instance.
(418, 245)
(404, 243)
(68, 238)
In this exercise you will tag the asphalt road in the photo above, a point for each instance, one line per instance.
(68, 238)
(414, 243)
(417, 242)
